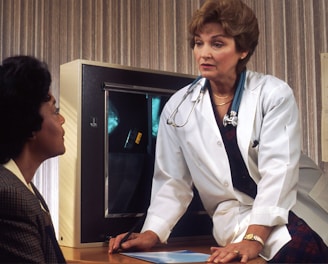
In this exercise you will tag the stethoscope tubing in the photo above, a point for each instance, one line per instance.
(229, 119)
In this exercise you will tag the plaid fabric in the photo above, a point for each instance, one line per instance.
(26, 231)
(306, 245)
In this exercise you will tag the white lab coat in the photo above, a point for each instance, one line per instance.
(195, 154)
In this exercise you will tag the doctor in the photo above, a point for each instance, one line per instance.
(234, 134)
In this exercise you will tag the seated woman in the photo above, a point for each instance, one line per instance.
(31, 132)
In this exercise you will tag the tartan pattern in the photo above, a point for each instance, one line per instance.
(26, 231)
(306, 245)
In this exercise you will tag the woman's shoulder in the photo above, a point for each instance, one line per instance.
(7, 178)
(191, 90)
(14, 194)
(267, 84)
(258, 78)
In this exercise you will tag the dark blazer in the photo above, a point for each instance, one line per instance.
(26, 231)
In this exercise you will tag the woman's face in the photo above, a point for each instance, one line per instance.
(49, 141)
(215, 53)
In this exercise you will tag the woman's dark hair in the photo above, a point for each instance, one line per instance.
(236, 18)
(24, 86)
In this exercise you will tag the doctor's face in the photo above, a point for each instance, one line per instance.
(215, 53)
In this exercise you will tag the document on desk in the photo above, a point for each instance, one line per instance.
(180, 256)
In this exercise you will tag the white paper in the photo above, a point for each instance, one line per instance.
(181, 256)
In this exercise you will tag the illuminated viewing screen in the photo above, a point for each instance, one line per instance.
(132, 118)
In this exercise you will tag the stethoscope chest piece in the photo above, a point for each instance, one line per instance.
(230, 119)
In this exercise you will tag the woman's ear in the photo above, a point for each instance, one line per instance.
(243, 55)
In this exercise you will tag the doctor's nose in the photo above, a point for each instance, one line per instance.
(205, 52)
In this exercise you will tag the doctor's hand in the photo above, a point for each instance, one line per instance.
(242, 251)
(136, 241)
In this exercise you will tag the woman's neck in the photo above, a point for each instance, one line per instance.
(27, 164)
(224, 87)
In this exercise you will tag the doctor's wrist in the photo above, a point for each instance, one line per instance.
(255, 238)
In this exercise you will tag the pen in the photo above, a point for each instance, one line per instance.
(128, 234)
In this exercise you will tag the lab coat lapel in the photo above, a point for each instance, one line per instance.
(246, 116)
(204, 108)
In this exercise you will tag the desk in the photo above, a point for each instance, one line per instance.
(99, 255)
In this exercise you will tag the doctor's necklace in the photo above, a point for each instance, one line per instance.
(221, 104)
(217, 98)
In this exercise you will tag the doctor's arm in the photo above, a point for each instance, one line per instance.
(167, 204)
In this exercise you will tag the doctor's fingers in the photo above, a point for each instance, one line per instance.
(141, 241)
(114, 243)
(223, 257)
(111, 243)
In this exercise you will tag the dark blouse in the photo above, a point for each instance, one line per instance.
(240, 176)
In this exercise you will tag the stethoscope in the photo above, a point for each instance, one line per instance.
(229, 119)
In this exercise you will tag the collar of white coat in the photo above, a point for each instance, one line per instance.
(197, 87)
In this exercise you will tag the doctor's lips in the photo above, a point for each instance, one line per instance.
(206, 65)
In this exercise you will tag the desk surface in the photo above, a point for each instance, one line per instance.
(99, 255)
